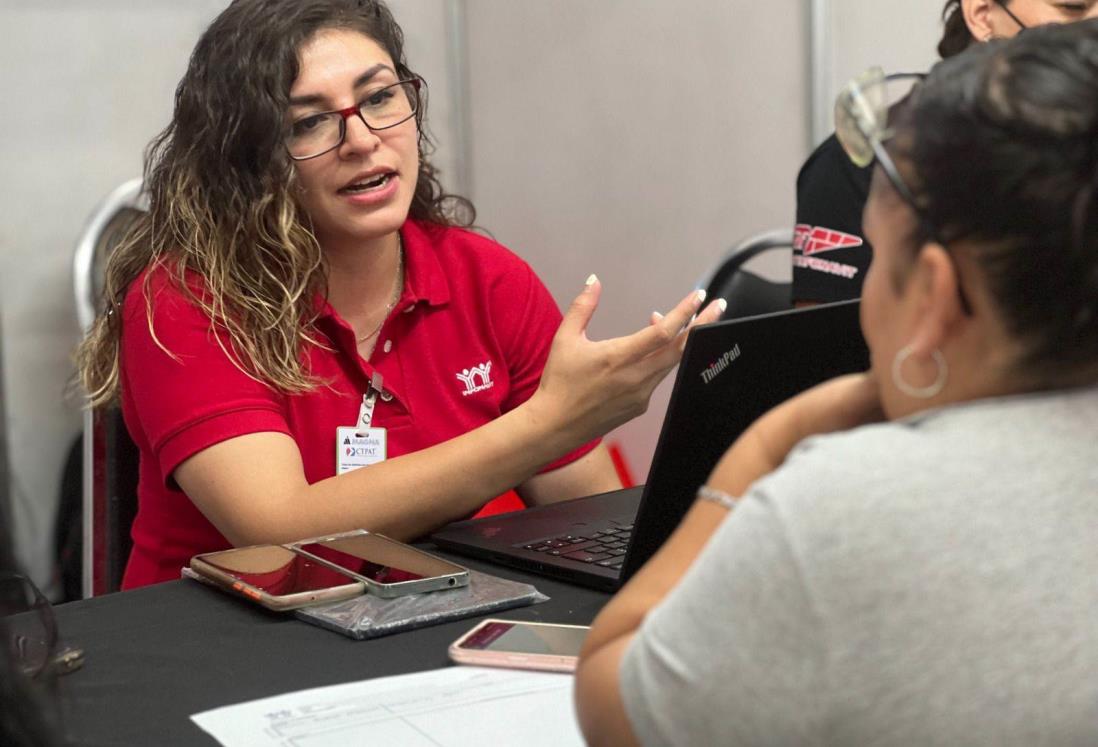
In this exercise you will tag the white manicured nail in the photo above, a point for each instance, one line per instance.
(701, 295)
(657, 315)
(591, 280)
(722, 305)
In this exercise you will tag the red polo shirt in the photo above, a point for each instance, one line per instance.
(466, 342)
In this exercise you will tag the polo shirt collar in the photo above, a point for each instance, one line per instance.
(424, 279)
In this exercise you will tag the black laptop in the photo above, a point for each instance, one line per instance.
(731, 373)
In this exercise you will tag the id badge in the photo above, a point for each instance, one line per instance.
(359, 447)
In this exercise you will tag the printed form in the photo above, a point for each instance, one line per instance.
(453, 707)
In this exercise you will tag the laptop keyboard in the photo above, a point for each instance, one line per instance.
(605, 548)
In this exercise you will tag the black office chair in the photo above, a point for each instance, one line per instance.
(747, 292)
(110, 457)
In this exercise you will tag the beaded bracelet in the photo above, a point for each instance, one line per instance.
(720, 497)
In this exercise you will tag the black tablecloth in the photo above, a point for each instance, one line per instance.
(157, 655)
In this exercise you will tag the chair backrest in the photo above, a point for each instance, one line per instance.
(746, 292)
(110, 456)
(110, 500)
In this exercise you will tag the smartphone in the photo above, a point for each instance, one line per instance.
(387, 567)
(521, 645)
(276, 577)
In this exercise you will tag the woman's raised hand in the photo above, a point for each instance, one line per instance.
(589, 387)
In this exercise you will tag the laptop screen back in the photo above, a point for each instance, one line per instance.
(733, 372)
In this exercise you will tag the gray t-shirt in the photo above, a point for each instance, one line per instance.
(932, 581)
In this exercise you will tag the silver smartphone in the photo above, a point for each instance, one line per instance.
(388, 568)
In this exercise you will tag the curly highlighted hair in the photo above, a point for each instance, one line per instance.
(221, 192)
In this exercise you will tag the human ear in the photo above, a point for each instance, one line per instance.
(936, 284)
(977, 14)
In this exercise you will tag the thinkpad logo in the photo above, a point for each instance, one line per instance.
(715, 368)
(476, 379)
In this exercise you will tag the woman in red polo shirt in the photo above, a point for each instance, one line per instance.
(300, 302)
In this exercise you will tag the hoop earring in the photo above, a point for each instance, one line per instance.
(919, 392)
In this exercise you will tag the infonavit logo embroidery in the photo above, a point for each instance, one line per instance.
(471, 376)
(720, 364)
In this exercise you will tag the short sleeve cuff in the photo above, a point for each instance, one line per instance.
(201, 434)
(570, 457)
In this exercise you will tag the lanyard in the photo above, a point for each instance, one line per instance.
(362, 444)
(369, 400)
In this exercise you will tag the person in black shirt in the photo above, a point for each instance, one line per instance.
(830, 253)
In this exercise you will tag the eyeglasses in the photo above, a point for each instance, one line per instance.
(861, 127)
(30, 630)
(316, 134)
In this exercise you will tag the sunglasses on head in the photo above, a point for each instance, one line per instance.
(862, 127)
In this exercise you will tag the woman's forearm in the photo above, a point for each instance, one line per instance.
(599, 703)
(838, 404)
(268, 499)
(625, 612)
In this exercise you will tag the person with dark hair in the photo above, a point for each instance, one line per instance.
(830, 253)
(910, 554)
(303, 300)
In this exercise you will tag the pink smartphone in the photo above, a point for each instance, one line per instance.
(521, 645)
(276, 577)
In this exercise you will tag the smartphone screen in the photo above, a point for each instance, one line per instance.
(276, 570)
(380, 559)
(515, 637)
(383, 574)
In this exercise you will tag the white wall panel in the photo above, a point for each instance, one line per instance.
(636, 139)
(897, 35)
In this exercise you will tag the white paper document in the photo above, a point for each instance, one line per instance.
(453, 707)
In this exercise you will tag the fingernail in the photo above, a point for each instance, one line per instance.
(701, 295)
(591, 280)
(722, 305)
(657, 315)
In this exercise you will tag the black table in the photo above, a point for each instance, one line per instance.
(157, 655)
